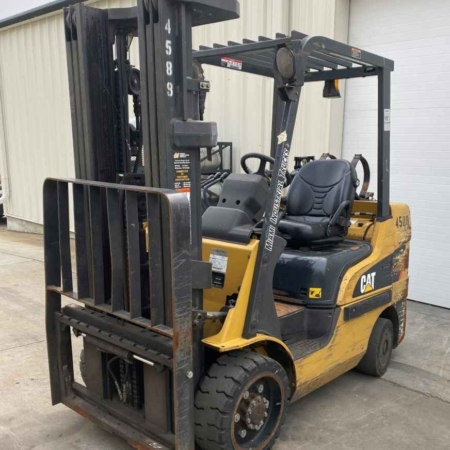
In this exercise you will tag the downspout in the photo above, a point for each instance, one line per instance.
(4, 174)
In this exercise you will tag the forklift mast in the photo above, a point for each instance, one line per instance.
(131, 180)
(166, 94)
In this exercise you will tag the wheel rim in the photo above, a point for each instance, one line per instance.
(385, 348)
(257, 414)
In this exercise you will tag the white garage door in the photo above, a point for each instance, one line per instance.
(416, 35)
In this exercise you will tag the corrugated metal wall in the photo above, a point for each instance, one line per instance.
(35, 96)
(36, 112)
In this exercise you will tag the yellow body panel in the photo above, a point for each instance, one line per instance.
(385, 238)
(238, 279)
(349, 341)
(343, 353)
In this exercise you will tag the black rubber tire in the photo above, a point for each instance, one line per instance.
(220, 391)
(83, 366)
(379, 351)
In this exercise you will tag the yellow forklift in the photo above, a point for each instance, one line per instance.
(198, 330)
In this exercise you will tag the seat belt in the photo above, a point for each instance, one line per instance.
(363, 194)
(327, 156)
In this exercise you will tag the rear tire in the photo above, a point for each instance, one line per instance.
(241, 403)
(379, 351)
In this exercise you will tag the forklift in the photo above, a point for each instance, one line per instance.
(199, 329)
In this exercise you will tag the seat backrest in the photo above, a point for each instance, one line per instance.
(246, 192)
(320, 187)
(241, 206)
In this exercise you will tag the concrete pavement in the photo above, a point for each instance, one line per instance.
(408, 409)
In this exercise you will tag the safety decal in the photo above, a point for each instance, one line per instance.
(315, 292)
(282, 137)
(182, 166)
(356, 53)
(230, 63)
(219, 262)
(387, 120)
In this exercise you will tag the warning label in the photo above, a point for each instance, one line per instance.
(219, 261)
(231, 63)
(315, 292)
(356, 53)
(182, 166)
(387, 120)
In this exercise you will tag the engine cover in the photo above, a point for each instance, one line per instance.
(312, 277)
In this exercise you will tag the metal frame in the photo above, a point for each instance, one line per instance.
(165, 41)
(315, 58)
(320, 59)
(153, 297)
(99, 90)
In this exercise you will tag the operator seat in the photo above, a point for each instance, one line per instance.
(319, 202)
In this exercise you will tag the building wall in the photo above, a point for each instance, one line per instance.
(415, 34)
(35, 109)
(35, 112)
(241, 104)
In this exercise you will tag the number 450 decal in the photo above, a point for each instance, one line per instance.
(402, 222)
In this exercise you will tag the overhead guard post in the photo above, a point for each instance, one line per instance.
(384, 143)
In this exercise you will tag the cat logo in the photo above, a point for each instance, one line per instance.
(368, 282)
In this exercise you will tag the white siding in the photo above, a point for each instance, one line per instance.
(319, 126)
(416, 35)
(36, 112)
(241, 104)
(36, 108)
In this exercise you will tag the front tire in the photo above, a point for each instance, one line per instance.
(379, 351)
(241, 403)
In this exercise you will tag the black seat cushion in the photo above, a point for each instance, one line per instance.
(304, 228)
(315, 197)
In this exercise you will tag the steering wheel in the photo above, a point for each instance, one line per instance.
(264, 160)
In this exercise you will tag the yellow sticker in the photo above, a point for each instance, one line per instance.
(315, 292)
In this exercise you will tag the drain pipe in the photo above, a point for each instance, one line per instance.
(4, 192)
